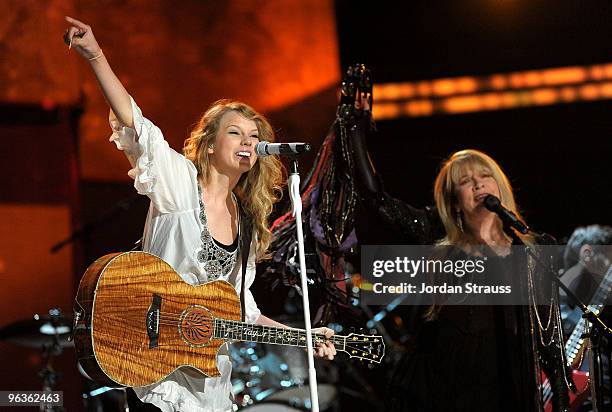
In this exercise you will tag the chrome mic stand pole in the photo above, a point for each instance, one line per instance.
(296, 200)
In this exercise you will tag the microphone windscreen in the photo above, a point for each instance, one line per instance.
(492, 203)
(260, 148)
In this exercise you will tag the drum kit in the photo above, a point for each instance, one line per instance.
(51, 334)
(265, 377)
(275, 378)
(48, 333)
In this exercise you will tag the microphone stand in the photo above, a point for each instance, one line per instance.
(296, 200)
(597, 329)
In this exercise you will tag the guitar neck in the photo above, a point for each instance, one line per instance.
(246, 332)
(575, 342)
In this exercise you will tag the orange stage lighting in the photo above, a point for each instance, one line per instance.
(494, 92)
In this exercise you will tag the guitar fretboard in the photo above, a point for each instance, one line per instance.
(240, 331)
(575, 341)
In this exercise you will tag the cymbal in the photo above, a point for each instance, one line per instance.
(38, 332)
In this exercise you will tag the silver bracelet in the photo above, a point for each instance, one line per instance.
(96, 57)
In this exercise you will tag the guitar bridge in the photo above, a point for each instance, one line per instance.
(153, 321)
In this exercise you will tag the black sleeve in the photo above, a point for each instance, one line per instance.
(410, 225)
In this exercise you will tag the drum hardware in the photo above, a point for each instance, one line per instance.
(51, 333)
(275, 378)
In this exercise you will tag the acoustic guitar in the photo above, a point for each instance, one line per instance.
(136, 321)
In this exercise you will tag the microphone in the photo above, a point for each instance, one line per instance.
(494, 205)
(264, 148)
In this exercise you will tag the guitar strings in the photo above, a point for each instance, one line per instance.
(176, 317)
(279, 331)
(340, 340)
(346, 344)
(336, 340)
(173, 319)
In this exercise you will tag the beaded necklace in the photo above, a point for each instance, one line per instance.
(216, 260)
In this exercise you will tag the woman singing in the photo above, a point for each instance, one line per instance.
(471, 357)
(201, 203)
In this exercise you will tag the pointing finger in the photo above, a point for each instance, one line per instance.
(77, 23)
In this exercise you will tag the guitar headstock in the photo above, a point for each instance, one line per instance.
(356, 92)
(365, 347)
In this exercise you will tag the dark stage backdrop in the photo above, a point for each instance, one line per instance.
(282, 57)
(556, 156)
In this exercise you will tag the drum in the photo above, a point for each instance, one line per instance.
(271, 407)
(299, 396)
(275, 375)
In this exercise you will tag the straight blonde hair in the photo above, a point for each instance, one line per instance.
(446, 198)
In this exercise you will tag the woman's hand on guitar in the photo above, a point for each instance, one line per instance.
(325, 350)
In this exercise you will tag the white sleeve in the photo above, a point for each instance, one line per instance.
(252, 311)
(159, 172)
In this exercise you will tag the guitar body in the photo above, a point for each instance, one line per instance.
(575, 346)
(581, 379)
(138, 321)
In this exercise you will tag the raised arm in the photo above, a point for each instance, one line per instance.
(412, 225)
(80, 37)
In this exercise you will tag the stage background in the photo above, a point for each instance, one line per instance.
(285, 58)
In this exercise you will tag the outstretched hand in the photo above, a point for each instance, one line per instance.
(80, 37)
(355, 92)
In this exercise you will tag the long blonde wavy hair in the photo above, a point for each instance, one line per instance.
(445, 192)
(259, 188)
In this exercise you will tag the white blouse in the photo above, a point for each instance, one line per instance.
(172, 232)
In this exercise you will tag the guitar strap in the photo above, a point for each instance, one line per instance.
(246, 232)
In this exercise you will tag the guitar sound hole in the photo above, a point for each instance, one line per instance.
(196, 326)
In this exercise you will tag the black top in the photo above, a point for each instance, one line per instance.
(228, 248)
(469, 358)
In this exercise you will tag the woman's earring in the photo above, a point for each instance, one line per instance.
(211, 147)
(459, 220)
